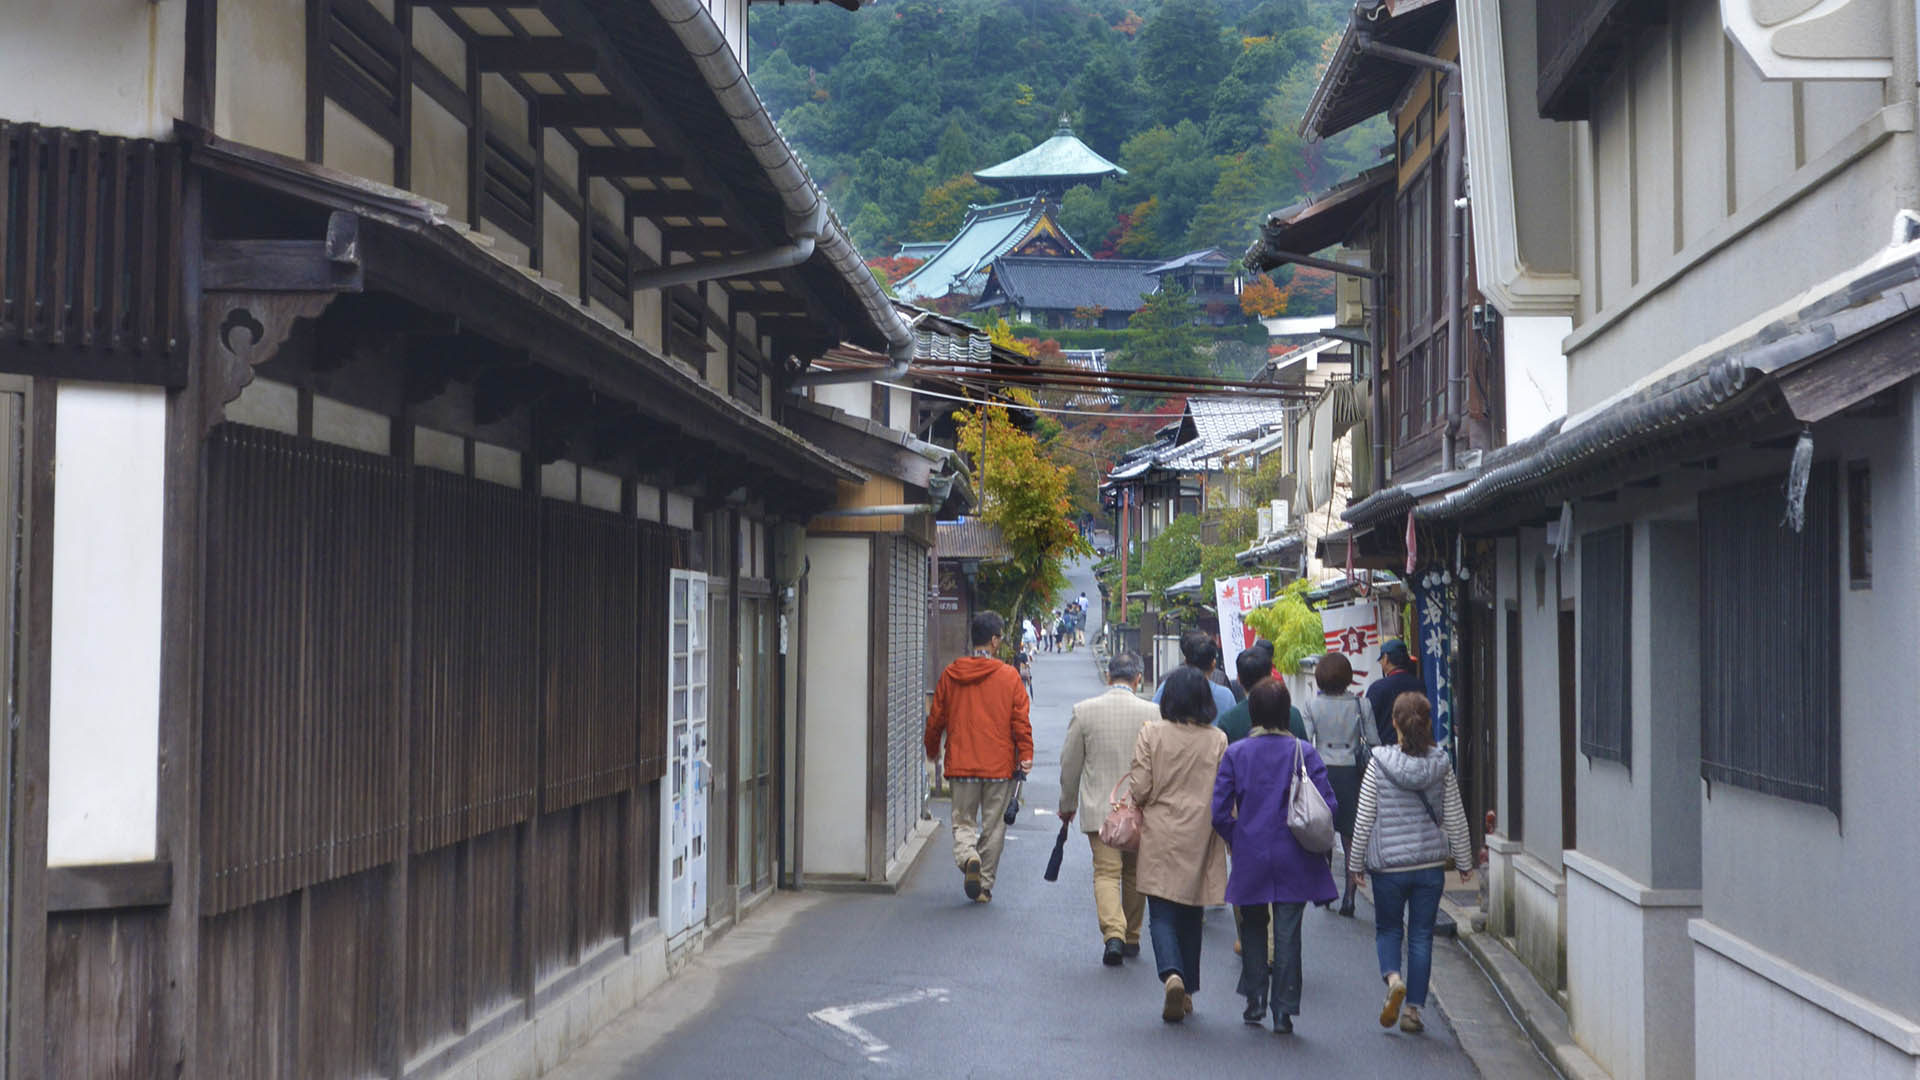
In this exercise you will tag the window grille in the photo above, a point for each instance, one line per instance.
(1606, 641)
(1769, 641)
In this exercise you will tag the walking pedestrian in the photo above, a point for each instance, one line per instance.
(1099, 749)
(1182, 866)
(1339, 724)
(1201, 654)
(1271, 878)
(1397, 677)
(1409, 821)
(1255, 666)
(980, 707)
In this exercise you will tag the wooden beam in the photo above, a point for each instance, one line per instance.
(666, 202)
(768, 303)
(550, 55)
(560, 111)
(706, 238)
(109, 885)
(630, 161)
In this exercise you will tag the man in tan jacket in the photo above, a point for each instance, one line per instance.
(1099, 749)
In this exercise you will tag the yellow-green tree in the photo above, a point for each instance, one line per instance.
(1026, 496)
(944, 208)
(1292, 626)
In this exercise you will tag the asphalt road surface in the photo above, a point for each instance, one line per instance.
(926, 983)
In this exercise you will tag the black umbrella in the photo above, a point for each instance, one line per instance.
(1059, 852)
(1013, 804)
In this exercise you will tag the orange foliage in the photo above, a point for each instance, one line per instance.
(1262, 299)
(1131, 24)
(894, 267)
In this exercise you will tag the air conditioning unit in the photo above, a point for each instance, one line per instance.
(1350, 292)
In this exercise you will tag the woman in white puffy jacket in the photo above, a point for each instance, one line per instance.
(1409, 825)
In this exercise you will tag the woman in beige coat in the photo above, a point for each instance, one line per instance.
(1182, 866)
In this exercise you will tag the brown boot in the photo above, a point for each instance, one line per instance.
(1174, 1009)
(1410, 1020)
(1396, 993)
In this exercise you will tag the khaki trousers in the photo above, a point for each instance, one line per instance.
(1118, 903)
(980, 824)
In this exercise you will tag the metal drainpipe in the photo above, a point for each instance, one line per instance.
(796, 251)
(1456, 167)
(1378, 417)
(893, 510)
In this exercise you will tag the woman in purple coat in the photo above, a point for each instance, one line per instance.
(1272, 877)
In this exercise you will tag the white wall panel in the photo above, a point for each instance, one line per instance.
(114, 66)
(104, 702)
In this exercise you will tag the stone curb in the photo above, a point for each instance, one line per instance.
(1539, 1015)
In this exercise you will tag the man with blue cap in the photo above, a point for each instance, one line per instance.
(1397, 677)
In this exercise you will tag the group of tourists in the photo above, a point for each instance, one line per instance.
(1066, 628)
(1190, 802)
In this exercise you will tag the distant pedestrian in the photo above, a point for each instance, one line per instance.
(1029, 636)
(980, 707)
(1182, 866)
(1255, 667)
(1080, 624)
(1339, 724)
(1063, 631)
(1271, 878)
(1099, 750)
(1201, 654)
(1397, 676)
(1409, 822)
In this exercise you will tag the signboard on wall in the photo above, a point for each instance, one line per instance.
(1353, 630)
(1233, 598)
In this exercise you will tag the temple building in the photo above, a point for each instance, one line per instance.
(1023, 226)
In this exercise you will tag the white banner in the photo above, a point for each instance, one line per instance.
(1353, 629)
(1233, 598)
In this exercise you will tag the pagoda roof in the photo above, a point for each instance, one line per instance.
(989, 232)
(1063, 156)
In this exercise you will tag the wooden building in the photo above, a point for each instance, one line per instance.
(395, 405)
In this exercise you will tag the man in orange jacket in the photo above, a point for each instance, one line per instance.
(981, 707)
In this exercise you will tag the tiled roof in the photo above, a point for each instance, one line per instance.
(1191, 257)
(970, 538)
(1034, 282)
(961, 265)
(1063, 155)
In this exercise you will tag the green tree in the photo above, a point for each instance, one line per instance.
(1171, 556)
(1165, 340)
(1026, 495)
(945, 207)
(1292, 626)
(956, 154)
(1109, 102)
(781, 83)
(1087, 215)
(1183, 57)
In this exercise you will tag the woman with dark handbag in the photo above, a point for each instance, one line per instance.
(1409, 824)
(1273, 876)
(1182, 865)
(1340, 725)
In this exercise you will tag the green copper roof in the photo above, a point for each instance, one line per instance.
(989, 232)
(1061, 156)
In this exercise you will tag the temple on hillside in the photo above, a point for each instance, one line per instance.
(1023, 226)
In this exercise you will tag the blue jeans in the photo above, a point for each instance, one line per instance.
(1414, 894)
(1175, 928)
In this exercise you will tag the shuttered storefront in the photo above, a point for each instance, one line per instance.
(906, 690)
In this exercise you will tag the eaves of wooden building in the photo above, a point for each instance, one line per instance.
(392, 397)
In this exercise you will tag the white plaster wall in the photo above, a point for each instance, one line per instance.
(439, 154)
(351, 426)
(1748, 1025)
(439, 450)
(440, 44)
(900, 409)
(1539, 920)
(855, 398)
(560, 248)
(496, 464)
(352, 146)
(506, 111)
(267, 404)
(600, 490)
(834, 774)
(262, 50)
(114, 66)
(1536, 372)
(1630, 977)
(104, 703)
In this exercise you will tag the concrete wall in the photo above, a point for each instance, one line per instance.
(104, 702)
(1540, 684)
(1535, 372)
(1630, 983)
(1810, 1027)
(833, 780)
(113, 66)
(1842, 932)
(1691, 192)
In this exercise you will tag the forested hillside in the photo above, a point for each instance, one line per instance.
(895, 105)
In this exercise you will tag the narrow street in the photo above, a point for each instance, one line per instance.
(926, 983)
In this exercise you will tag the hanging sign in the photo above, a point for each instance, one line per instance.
(1353, 630)
(1233, 598)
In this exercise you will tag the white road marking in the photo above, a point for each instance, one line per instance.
(841, 1017)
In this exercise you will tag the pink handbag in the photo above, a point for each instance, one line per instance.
(1121, 830)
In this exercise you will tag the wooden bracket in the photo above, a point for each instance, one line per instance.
(243, 331)
(110, 885)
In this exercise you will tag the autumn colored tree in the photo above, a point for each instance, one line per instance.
(1261, 298)
(1024, 494)
(945, 207)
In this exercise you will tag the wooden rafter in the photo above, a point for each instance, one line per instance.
(561, 110)
(630, 161)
